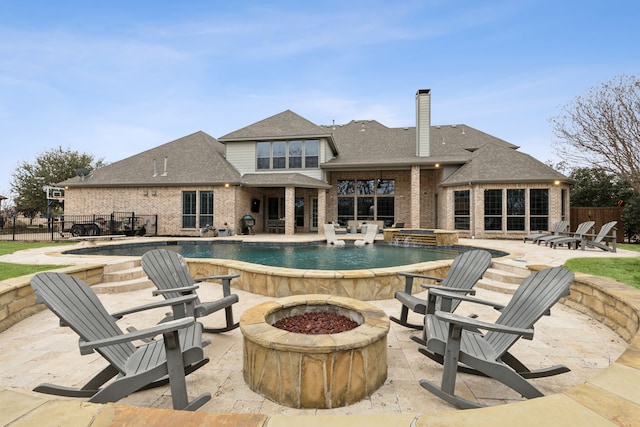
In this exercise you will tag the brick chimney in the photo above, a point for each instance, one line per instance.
(423, 122)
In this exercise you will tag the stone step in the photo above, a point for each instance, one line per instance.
(512, 266)
(503, 276)
(497, 286)
(125, 265)
(123, 286)
(125, 274)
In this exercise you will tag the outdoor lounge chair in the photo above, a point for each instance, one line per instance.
(455, 340)
(134, 368)
(558, 228)
(582, 228)
(583, 240)
(465, 271)
(369, 236)
(330, 234)
(168, 270)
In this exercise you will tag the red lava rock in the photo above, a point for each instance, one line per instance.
(314, 323)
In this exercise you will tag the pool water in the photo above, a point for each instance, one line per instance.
(297, 256)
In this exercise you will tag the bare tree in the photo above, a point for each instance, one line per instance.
(602, 129)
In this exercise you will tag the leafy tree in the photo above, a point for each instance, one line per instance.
(595, 187)
(49, 168)
(602, 128)
(631, 218)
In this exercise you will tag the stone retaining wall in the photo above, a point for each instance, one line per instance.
(610, 398)
(17, 300)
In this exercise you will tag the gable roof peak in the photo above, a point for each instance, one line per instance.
(284, 125)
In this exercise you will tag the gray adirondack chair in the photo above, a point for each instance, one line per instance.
(582, 228)
(590, 240)
(169, 272)
(558, 228)
(134, 368)
(465, 271)
(456, 339)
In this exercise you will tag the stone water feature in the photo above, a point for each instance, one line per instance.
(314, 371)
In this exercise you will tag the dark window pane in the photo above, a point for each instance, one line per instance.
(311, 152)
(539, 223)
(345, 210)
(263, 150)
(462, 223)
(365, 208)
(492, 223)
(299, 211)
(515, 223)
(539, 202)
(295, 162)
(493, 202)
(264, 163)
(279, 155)
(385, 210)
(295, 154)
(188, 209)
(461, 202)
(515, 202)
(279, 162)
(206, 208)
(461, 210)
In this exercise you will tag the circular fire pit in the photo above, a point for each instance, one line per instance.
(314, 371)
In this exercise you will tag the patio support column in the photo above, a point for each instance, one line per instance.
(322, 210)
(289, 210)
(415, 196)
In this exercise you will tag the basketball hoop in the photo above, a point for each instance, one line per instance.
(54, 193)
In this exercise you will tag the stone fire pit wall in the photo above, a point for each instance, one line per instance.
(315, 371)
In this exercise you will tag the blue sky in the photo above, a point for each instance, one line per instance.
(115, 78)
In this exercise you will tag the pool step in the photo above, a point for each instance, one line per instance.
(123, 277)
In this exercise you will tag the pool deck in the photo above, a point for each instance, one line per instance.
(37, 350)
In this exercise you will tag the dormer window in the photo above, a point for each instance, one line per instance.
(293, 154)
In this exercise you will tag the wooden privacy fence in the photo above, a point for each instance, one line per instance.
(601, 216)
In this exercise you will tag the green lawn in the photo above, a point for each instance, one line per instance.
(8, 270)
(625, 270)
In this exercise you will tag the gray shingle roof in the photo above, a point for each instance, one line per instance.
(367, 143)
(498, 163)
(196, 159)
(284, 125)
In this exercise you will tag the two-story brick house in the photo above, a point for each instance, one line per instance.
(293, 175)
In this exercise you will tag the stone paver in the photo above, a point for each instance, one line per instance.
(37, 350)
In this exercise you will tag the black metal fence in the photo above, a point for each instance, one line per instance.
(60, 227)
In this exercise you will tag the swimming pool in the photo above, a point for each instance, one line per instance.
(311, 256)
(367, 280)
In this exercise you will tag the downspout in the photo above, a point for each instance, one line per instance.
(472, 201)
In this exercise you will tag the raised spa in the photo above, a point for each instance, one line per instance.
(314, 371)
